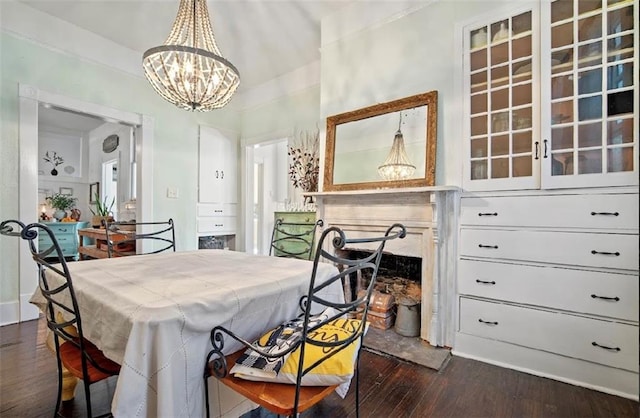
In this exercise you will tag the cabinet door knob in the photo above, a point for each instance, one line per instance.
(605, 253)
(493, 247)
(485, 282)
(595, 344)
(615, 298)
(605, 213)
(488, 322)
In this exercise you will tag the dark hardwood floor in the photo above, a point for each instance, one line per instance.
(389, 388)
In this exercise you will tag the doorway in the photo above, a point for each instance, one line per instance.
(267, 191)
(110, 185)
(30, 98)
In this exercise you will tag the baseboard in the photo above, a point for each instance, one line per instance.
(9, 313)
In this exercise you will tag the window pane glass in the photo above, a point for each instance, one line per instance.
(500, 76)
(620, 103)
(561, 10)
(620, 131)
(620, 20)
(620, 48)
(620, 159)
(562, 112)
(521, 94)
(590, 162)
(562, 138)
(500, 122)
(521, 118)
(479, 60)
(499, 168)
(590, 108)
(479, 125)
(478, 82)
(500, 145)
(586, 6)
(522, 167)
(590, 135)
(562, 86)
(562, 35)
(500, 99)
(521, 142)
(589, 28)
(479, 170)
(590, 81)
(479, 148)
(590, 55)
(479, 103)
(619, 76)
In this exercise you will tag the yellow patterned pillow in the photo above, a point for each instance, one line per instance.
(335, 370)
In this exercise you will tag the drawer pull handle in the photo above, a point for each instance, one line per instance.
(605, 213)
(615, 299)
(537, 144)
(493, 247)
(485, 282)
(595, 344)
(219, 224)
(605, 253)
(488, 214)
(489, 322)
(218, 210)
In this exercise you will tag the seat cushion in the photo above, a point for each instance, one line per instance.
(333, 370)
(71, 358)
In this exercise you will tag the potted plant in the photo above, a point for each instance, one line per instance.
(103, 211)
(62, 203)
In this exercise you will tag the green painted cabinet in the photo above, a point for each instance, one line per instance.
(295, 236)
(66, 234)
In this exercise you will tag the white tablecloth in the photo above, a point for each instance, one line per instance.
(153, 314)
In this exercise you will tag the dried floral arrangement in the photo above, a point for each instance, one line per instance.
(54, 159)
(304, 168)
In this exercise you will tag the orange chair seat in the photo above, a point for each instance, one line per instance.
(71, 358)
(276, 397)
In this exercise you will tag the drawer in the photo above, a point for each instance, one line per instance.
(560, 288)
(563, 211)
(568, 335)
(619, 251)
(62, 239)
(216, 225)
(216, 209)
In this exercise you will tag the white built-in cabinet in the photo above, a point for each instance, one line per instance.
(548, 271)
(217, 184)
(550, 95)
(217, 167)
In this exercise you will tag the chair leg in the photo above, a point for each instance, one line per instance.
(56, 412)
(87, 397)
(206, 395)
(358, 384)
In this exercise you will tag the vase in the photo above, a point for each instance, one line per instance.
(60, 214)
(54, 172)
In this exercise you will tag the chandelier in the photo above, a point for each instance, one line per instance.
(397, 165)
(188, 70)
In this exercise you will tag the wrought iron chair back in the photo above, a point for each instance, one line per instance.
(127, 238)
(331, 240)
(294, 239)
(78, 355)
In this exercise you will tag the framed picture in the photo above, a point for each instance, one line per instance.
(67, 191)
(94, 192)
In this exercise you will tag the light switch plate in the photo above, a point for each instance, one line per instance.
(172, 192)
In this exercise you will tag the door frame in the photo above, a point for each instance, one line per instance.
(29, 99)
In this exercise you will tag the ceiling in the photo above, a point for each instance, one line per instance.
(264, 39)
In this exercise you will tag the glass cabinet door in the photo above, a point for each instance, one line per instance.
(501, 79)
(591, 128)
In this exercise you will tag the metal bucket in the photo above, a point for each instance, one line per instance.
(408, 319)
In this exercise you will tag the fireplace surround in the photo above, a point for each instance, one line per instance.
(429, 215)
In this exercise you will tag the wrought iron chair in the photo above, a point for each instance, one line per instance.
(293, 240)
(123, 238)
(78, 355)
(291, 399)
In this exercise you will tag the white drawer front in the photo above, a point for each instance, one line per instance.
(217, 225)
(603, 294)
(216, 209)
(606, 211)
(618, 251)
(569, 335)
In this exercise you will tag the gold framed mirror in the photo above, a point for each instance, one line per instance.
(387, 145)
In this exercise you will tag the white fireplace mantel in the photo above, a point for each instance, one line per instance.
(430, 215)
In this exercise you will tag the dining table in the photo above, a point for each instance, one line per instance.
(153, 315)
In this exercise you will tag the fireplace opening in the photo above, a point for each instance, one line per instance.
(395, 302)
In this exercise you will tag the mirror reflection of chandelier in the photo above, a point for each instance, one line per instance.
(397, 165)
(188, 70)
